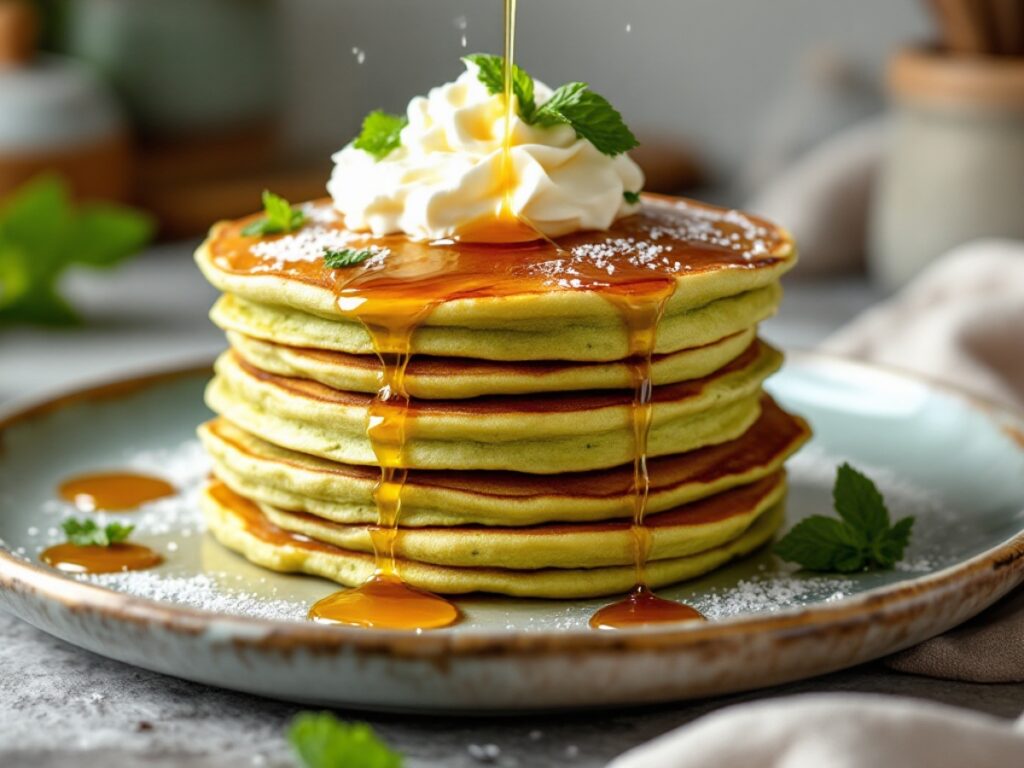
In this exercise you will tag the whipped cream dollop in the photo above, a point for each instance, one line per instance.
(447, 178)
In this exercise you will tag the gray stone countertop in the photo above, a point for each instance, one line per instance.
(62, 706)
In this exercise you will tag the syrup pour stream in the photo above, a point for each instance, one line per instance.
(385, 601)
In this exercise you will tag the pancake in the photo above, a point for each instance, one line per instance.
(549, 295)
(583, 339)
(343, 493)
(682, 531)
(540, 433)
(433, 378)
(240, 525)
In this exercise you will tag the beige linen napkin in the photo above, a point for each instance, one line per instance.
(960, 321)
(836, 731)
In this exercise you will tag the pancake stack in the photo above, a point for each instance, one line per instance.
(519, 435)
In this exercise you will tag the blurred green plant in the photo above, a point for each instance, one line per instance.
(42, 233)
(320, 740)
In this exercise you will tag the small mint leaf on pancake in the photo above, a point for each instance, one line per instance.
(491, 72)
(632, 197)
(279, 217)
(86, 533)
(381, 134)
(320, 740)
(346, 257)
(592, 117)
(861, 539)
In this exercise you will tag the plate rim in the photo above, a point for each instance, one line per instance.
(1003, 563)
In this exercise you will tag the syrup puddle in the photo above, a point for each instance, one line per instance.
(72, 558)
(114, 491)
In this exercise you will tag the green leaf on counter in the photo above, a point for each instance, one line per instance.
(43, 233)
(320, 740)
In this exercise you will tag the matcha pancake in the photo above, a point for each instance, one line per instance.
(699, 253)
(343, 493)
(685, 530)
(456, 378)
(241, 526)
(579, 339)
(557, 432)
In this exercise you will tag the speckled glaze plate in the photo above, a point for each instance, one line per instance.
(206, 615)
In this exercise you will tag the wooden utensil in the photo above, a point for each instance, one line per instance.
(981, 27)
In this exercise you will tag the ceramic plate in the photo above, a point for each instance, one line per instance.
(207, 615)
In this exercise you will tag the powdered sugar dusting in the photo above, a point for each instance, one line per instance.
(203, 592)
(655, 249)
(306, 245)
(771, 593)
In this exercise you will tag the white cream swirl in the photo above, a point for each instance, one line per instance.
(446, 177)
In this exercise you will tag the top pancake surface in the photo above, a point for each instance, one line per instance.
(714, 251)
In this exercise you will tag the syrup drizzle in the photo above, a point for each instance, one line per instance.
(385, 601)
(642, 309)
(113, 491)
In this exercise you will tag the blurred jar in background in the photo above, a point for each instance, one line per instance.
(200, 80)
(202, 83)
(954, 170)
(56, 116)
(183, 67)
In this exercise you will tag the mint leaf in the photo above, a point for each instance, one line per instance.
(320, 740)
(86, 533)
(632, 197)
(822, 544)
(279, 217)
(42, 233)
(859, 503)
(345, 258)
(887, 549)
(862, 537)
(117, 533)
(491, 72)
(590, 115)
(381, 134)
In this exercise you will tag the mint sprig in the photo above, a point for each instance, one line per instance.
(86, 533)
(347, 257)
(491, 72)
(279, 217)
(631, 197)
(862, 538)
(381, 134)
(320, 740)
(589, 114)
